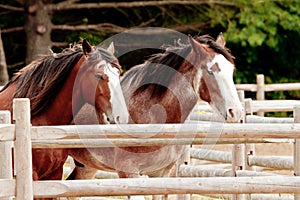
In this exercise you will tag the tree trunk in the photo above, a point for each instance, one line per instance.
(38, 29)
(3, 67)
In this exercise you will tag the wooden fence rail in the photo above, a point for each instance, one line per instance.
(207, 130)
(260, 105)
(278, 162)
(269, 87)
(23, 134)
(6, 152)
(143, 186)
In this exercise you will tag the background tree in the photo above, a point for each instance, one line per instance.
(46, 19)
(38, 28)
(267, 32)
(262, 34)
(3, 67)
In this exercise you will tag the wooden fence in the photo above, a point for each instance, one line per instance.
(260, 87)
(26, 136)
(55, 137)
(243, 156)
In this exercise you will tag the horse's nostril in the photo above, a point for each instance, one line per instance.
(110, 119)
(234, 114)
(231, 112)
(117, 120)
(113, 120)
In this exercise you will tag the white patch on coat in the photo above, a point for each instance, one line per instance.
(225, 81)
(119, 108)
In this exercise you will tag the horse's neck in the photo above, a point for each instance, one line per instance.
(6, 98)
(65, 106)
(184, 88)
(172, 107)
(58, 113)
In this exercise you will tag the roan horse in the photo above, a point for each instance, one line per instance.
(58, 86)
(164, 90)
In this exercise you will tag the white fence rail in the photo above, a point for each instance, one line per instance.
(221, 185)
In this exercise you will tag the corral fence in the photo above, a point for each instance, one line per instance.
(261, 88)
(242, 157)
(24, 136)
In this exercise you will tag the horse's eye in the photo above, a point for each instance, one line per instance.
(99, 77)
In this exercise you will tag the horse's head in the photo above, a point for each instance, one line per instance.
(215, 66)
(100, 83)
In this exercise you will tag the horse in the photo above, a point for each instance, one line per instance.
(58, 85)
(165, 89)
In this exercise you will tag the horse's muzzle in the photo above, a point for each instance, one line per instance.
(234, 114)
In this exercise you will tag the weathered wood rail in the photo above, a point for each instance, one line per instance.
(23, 187)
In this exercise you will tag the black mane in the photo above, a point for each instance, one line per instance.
(160, 68)
(206, 39)
(158, 71)
(42, 80)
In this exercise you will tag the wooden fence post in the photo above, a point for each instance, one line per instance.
(22, 149)
(297, 150)
(260, 93)
(184, 160)
(6, 152)
(239, 158)
(250, 148)
(238, 150)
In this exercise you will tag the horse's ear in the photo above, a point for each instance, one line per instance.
(191, 41)
(111, 48)
(196, 46)
(220, 40)
(86, 47)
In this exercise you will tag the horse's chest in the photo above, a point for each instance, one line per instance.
(146, 160)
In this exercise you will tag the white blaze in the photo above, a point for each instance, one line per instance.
(225, 81)
(119, 108)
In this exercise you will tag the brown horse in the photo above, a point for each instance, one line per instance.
(164, 90)
(58, 86)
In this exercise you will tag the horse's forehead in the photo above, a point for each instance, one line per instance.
(220, 64)
(110, 70)
(102, 63)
